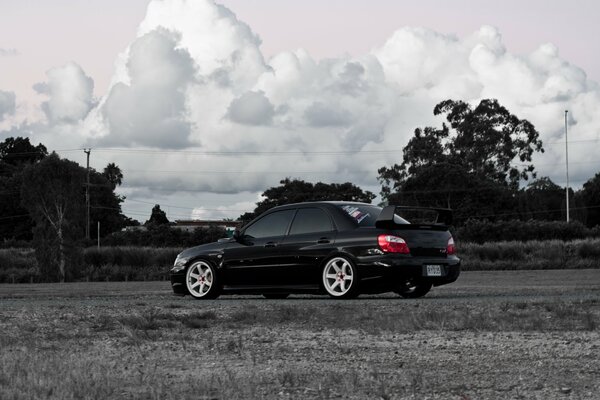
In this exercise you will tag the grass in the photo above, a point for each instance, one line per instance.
(145, 263)
(531, 255)
(489, 335)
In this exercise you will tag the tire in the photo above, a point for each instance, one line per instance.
(413, 289)
(201, 280)
(340, 278)
(276, 295)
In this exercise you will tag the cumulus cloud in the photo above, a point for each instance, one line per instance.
(231, 211)
(321, 114)
(194, 79)
(251, 108)
(150, 110)
(8, 52)
(70, 92)
(7, 104)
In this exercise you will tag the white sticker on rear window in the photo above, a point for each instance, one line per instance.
(355, 213)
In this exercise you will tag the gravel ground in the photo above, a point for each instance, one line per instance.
(490, 335)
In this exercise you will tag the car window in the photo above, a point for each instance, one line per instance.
(274, 224)
(366, 215)
(309, 220)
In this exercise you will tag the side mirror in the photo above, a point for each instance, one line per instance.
(237, 235)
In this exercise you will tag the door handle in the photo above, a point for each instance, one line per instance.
(270, 244)
(323, 240)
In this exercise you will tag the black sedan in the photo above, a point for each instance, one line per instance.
(339, 248)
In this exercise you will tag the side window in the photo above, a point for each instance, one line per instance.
(274, 224)
(310, 220)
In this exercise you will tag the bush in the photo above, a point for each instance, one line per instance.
(128, 263)
(478, 231)
(549, 254)
(18, 266)
(164, 236)
(147, 263)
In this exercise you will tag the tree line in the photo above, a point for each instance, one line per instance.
(478, 162)
(468, 165)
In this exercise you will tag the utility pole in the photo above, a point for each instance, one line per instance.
(567, 159)
(87, 195)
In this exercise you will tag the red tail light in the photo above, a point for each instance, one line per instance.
(450, 249)
(392, 244)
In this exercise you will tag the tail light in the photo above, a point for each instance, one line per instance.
(392, 244)
(450, 248)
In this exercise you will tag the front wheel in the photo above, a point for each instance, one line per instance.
(340, 278)
(413, 289)
(201, 281)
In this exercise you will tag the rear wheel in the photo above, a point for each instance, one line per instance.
(413, 289)
(276, 295)
(201, 281)
(340, 278)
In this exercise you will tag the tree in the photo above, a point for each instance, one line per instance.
(15, 155)
(158, 217)
(297, 191)
(113, 174)
(542, 199)
(468, 164)
(105, 204)
(18, 150)
(590, 199)
(53, 193)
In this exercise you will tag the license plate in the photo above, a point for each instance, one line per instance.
(433, 270)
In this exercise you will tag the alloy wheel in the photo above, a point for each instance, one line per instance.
(339, 277)
(200, 280)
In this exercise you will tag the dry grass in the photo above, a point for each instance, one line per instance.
(98, 341)
(130, 263)
(531, 255)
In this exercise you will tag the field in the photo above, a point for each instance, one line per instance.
(491, 335)
(130, 263)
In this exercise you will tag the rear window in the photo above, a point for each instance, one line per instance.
(366, 215)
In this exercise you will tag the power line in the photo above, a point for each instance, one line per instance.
(181, 207)
(241, 172)
(572, 141)
(248, 152)
(14, 216)
(533, 212)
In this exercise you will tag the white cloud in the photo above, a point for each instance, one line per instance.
(7, 104)
(251, 108)
(149, 110)
(232, 211)
(70, 93)
(195, 79)
(8, 52)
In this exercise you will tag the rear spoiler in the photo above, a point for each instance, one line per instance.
(386, 218)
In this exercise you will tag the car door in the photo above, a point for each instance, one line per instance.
(311, 238)
(253, 260)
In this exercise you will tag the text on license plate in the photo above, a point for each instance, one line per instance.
(433, 270)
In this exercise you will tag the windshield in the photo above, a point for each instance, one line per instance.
(366, 215)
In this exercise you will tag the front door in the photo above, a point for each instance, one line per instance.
(255, 259)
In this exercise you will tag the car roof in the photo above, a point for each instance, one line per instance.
(315, 203)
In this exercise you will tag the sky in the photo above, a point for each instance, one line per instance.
(204, 106)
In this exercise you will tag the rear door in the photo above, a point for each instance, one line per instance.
(310, 240)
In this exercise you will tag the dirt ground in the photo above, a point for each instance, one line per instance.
(490, 335)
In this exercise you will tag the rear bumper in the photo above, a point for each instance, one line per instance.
(392, 268)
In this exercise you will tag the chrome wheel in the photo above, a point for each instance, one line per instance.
(339, 277)
(200, 280)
